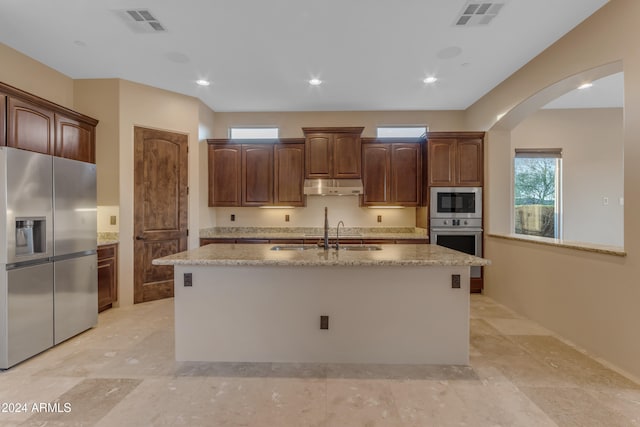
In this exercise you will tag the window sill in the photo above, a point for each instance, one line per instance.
(587, 247)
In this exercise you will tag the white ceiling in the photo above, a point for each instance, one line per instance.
(260, 54)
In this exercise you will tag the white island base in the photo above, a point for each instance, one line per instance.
(377, 314)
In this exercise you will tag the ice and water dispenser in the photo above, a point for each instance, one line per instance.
(30, 236)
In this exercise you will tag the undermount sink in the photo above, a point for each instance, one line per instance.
(293, 247)
(361, 248)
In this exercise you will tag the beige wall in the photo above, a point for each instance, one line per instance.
(590, 299)
(291, 123)
(592, 168)
(22, 72)
(207, 215)
(100, 98)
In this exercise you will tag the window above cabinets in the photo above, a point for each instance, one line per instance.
(401, 131)
(254, 132)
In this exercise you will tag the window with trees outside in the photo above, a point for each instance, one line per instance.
(537, 192)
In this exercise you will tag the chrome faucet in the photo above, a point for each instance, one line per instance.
(338, 234)
(326, 229)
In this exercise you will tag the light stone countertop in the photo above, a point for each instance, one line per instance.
(108, 238)
(408, 233)
(261, 254)
(560, 243)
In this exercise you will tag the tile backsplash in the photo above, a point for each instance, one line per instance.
(343, 208)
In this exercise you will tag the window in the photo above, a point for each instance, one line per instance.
(401, 131)
(253, 133)
(537, 186)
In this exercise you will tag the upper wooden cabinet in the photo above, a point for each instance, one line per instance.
(74, 139)
(30, 127)
(406, 174)
(376, 174)
(455, 159)
(225, 165)
(333, 152)
(35, 124)
(288, 172)
(257, 175)
(392, 174)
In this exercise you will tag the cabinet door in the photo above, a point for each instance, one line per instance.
(469, 162)
(30, 127)
(107, 276)
(257, 175)
(289, 174)
(105, 279)
(319, 155)
(347, 156)
(224, 175)
(74, 140)
(406, 174)
(3, 119)
(376, 174)
(441, 160)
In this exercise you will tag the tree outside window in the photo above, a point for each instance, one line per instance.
(537, 192)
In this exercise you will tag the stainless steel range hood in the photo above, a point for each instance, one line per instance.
(333, 187)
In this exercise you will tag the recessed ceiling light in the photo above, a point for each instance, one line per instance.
(203, 82)
(585, 86)
(430, 79)
(315, 82)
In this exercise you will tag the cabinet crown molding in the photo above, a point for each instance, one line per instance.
(41, 102)
(357, 130)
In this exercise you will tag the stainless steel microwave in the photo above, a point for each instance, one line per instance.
(456, 202)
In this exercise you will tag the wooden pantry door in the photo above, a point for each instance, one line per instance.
(160, 209)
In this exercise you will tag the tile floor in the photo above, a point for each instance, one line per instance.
(123, 373)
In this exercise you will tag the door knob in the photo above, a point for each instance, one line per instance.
(139, 238)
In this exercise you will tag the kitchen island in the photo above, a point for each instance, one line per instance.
(405, 303)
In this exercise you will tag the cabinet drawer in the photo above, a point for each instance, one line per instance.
(106, 252)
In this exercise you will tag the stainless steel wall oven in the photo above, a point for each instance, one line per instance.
(456, 220)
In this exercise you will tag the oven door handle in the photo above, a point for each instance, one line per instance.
(456, 230)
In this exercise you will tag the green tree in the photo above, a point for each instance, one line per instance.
(535, 194)
(535, 181)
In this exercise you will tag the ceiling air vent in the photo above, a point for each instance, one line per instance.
(141, 21)
(476, 13)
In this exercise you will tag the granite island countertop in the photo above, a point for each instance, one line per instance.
(261, 254)
(406, 233)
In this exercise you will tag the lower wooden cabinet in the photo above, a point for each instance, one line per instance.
(312, 241)
(107, 276)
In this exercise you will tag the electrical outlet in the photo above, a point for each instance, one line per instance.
(455, 281)
(188, 279)
(605, 201)
(379, 218)
(112, 220)
(286, 218)
(324, 322)
(233, 217)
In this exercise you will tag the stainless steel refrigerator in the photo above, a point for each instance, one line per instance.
(48, 266)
